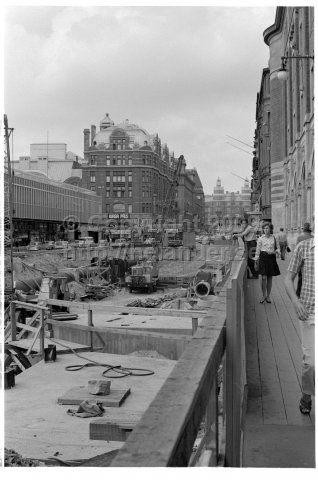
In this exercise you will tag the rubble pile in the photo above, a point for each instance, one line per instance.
(14, 459)
(179, 267)
(151, 302)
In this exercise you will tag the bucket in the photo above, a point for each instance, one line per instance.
(50, 353)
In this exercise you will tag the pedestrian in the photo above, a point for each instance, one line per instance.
(265, 258)
(304, 255)
(248, 235)
(302, 236)
(281, 238)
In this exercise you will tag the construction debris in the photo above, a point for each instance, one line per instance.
(13, 459)
(151, 302)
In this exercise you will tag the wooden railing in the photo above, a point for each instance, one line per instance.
(166, 433)
(39, 331)
(188, 402)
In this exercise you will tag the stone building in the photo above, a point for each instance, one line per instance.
(52, 160)
(291, 112)
(224, 209)
(261, 179)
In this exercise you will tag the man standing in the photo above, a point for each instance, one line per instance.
(304, 257)
(282, 241)
(303, 236)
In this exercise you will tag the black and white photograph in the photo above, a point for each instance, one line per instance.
(157, 238)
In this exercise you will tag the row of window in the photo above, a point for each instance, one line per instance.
(118, 192)
(122, 160)
(109, 208)
(37, 203)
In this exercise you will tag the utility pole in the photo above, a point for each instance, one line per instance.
(8, 196)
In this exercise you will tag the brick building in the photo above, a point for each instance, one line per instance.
(291, 113)
(134, 173)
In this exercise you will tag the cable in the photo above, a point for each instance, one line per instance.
(121, 371)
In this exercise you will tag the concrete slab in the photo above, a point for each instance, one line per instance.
(279, 446)
(151, 322)
(36, 426)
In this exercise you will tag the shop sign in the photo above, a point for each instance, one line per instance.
(118, 215)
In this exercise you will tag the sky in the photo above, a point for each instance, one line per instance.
(189, 73)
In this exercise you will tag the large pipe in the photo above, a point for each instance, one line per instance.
(202, 289)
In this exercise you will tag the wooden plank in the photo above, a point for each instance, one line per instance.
(272, 398)
(133, 310)
(26, 328)
(13, 321)
(77, 395)
(110, 429)
(287, 369)
(24, 343)
(254, 410)
(42, 335)
(28, 306)
(33, 340)
(29, 321)
(176, 412)
(123, 332)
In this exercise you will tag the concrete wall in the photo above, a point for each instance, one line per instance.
(123, 342)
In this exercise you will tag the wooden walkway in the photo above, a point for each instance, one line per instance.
(276, 434)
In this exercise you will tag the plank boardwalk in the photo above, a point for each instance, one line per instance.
(276, 434)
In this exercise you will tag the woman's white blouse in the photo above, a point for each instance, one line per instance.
(265, 244)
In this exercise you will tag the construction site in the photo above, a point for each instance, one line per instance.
(130, 319)
(98, 338)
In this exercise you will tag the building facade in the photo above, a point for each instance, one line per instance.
(51, 159)
(224, 209)
(44, 209)
(291, 83)
(134, 175)
(261, 178)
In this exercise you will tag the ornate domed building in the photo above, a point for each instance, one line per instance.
(131, 171)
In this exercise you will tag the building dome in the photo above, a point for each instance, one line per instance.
(137, 136)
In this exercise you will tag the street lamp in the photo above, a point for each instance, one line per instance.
(282, 72)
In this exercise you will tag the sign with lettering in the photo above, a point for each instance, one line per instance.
(116, 216)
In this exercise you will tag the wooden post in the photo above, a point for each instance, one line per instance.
(90, 324)
(13, 321)
(212, 424)
(233, 375)
(194, 325)
(42, 323)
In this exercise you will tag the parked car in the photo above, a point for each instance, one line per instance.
(49, 245)
(149, 241)
(121, 242)
(88, 241)
(77, 243)
(60, 244)
(103, 243)
(33, 246)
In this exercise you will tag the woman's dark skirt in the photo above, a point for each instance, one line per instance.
(251, 250)
(268, 265)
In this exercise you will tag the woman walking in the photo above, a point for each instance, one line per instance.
(248, 235)
(266, 252)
